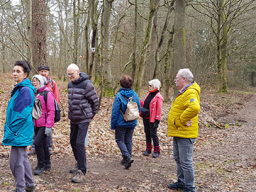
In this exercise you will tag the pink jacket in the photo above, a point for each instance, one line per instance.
(155, 107)
(48, 110)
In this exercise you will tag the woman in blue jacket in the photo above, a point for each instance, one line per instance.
(124, 129)
(19, 127)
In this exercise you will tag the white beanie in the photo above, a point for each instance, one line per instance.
(41, 79)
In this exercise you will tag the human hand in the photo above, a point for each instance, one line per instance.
(189, 123)
(48, 131)
(156, 123)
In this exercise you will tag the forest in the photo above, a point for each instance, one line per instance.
(145, 39)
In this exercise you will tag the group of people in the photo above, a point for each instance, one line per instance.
(21, 129)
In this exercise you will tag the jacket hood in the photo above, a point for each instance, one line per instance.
(83, 77)
(127, 92)
(41, 79)
(25, 83)
(196, 87)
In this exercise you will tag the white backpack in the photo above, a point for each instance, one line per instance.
(132, 110)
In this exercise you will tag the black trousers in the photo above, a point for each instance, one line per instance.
(151, 132)
(42, 151)
(77, 137)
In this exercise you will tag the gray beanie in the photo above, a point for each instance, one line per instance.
(41, 79)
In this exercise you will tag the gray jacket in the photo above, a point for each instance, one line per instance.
(82, 100)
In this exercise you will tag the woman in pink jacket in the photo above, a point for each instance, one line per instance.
(151, 113)
(44, 124)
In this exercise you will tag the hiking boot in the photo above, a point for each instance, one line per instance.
(155, 155)
(31, 189)
(74, 170)
(122, 162)
(32, 152)
(146, 153)
(188, 190)
(39, 171)
(176, 186)
(79, 177)
(128, 162)
(48, 167)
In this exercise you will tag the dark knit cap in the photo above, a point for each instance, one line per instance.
(43, 67)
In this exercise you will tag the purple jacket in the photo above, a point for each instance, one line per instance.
(48, 110)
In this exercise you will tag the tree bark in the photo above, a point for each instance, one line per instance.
(39, 52)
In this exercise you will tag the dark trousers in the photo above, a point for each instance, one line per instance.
(151, 132)
(42, 151)
(124, 140)
(77, 137)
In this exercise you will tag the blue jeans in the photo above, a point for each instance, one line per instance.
(124, 140)
(183, 155)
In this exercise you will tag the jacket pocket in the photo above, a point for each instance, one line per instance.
(82, 110)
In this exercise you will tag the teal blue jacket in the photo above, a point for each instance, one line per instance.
(19, 126)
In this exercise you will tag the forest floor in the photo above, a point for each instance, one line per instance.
(224, 154)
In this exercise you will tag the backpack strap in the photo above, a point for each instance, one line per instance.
(44, 94)
(127, 103)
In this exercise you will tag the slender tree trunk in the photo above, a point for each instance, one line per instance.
(134, 65)
(105, 63)
(28, 5)
(161, 40)
(76, 15)
(179, 40)
(3, 62)
(223, 39)
(39, 52)
(145, 46)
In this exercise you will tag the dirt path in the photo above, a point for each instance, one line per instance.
(224, 160)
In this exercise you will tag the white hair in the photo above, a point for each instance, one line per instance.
(155, 83)
(73, 66)
(187, 74)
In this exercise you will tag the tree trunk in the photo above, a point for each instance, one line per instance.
(39, 52)
(161, 40)
(179, 49)
(222, 61)
(143, 56)
(105, 63)
(134, 65)
(76, 15)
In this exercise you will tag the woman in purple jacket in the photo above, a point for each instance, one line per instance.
(44, 124)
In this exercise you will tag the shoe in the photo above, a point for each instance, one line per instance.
(79, 177)
(188, 190)
(50, 151)
(122, 162)
(128, 162)
(39, 171)
(176, 186)
(155, 155)
(146, 153)
(32, 152)
(74, 170)
(48, 167)
(31, 189)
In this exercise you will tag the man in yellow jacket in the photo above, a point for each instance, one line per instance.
(183, 127)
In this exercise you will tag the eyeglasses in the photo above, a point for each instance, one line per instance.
(71, 74)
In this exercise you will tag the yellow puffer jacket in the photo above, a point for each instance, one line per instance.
(185, 107)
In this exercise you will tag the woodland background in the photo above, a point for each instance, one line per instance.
(143, 38)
